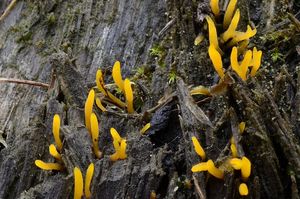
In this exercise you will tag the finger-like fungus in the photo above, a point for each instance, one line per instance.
(242, 126)
(230, 32)
(88, 109)
(212, 32)
(88, 179)
(210, 167)
(229, 13)
(95, 134)
(119, 145)
(240, 69)
(198, 148)
(240, 36)
(145, 128)
(116, 73)
(55, 130)
(54, 152)
(214, 5)
(200, 90)
(243, 189)
(199, 39)
(100, 105)
(233, 149)
(256, 60)
(216, 59)
(128, 95)
(78, 183)
(48, 166)
(243, 164)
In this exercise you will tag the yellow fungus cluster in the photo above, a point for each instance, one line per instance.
(123, 85)
(52, 148)
(78, 182)
(232, 38)
(119, 146)
(208, 166)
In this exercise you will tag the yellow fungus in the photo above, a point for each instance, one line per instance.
(240, 36)
(88, 108)
(233, 149)
(242, 126)
(202, 166)
(216, 59)
(95, 135)
(100, 105)
(200, 90)
(116, 73)
(88, 179)
(240, 69)
(48, 166)
(54, 152)
(55, 130)
(213, 170)
(256, 61)
(236, 163)
(78, 183)
(122, 151)
(243, 46)
(228, 13)
(115, 135)
(198, 148)
(230, 32)
(243, 189)
(212, 32)
(128, 95)
(199, 39)
(243, 164)
(214, 5)
(145, 128)
(119, 146)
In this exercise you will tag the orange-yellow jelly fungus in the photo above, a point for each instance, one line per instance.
(54, 153)
(230, 32)
(256, 61)
(100, 105)
(78, 183)
(240, 69)
(88, 179)
(243, 164)
(210, 167)
(240, 36)
(212, 34)
(145, 128)
(214, 5)
(88, 109)
(55, 130)
(243, 189)
(119, 146)
(216, 59)
(228, 13)
(198, 148)
(116, 73)
(95, 135)
(48, 166)
(128, 96)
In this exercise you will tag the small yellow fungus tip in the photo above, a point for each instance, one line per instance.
(230, 32)
(199, 39)
(88, 108)
(229, 13)
(210, 167)
(216, 59)
(212, 34)
(78, 183)
(243, 189)
(95, 135)
(145, 128)
(88, 180)
(233, 149)
(214, 5)
(242, 126)
(240, 69)
(116, 73)
(55, 130)
(119, 146)
(100, 105)
(243, 164)
(54, 153)
(241, 36)
(48, 166)
(198, 148)
(200, 90)
(128, 95)
(256, 61)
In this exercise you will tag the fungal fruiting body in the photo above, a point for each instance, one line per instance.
(54, 153)
(128, 96)
(214, 4)
(243, 164)
(200, 90)
(48, 166)
(242, 126)
(116, 73)
(240, 69)
(100, 105)
(243, 189)
(119, 146)
(228, 13)
(198, 148)
(256, 61)
(55, 130)
(210, 167)
(230, 32)
(216, 59)
(145, 128)
(212, 33)
(88, 179)
(88, 108)
(95, 135)
(78, 183)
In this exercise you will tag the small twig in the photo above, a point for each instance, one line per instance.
(8, 9)
(198, 189)
(295, 21)
(20, 81)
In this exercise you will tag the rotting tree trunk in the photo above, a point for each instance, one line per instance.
(63, 43)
